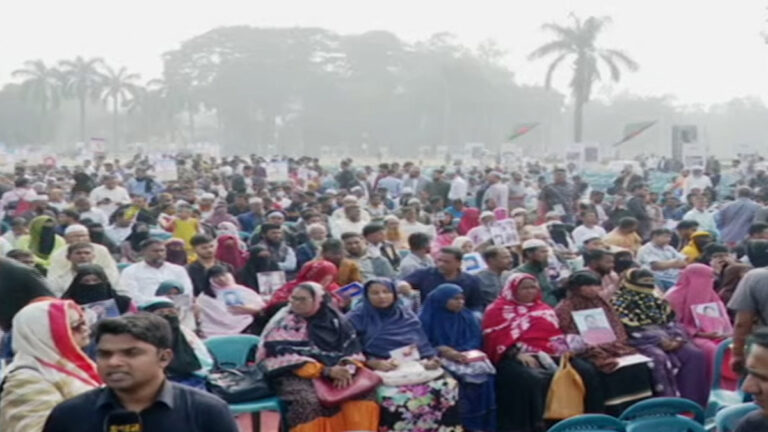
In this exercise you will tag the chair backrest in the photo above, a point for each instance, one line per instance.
(665, 424)
(232, 351)
(589, 422)
(664, 407)
(728, 418)
(717, 374)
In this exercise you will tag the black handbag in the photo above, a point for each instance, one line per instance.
(244, 384)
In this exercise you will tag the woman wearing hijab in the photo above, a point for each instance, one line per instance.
(700, 311)
(394, 234)
(622, 386)
(678, 365)
(42, 239)
(91, 285)
(307, 340)
(469, 219)
(259, 261)
(464, 243)
(522, 337)
(383, 325)
(229, 251)
(455, 333)
(226, 308)
(695, 247)
(175, 251)
(445, 237)
(191, 359)
(220, 215)
(131, 247)
(321, 272)
(50, 365)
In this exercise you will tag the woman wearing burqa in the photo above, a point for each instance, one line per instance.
(259, 261)
(92, 285)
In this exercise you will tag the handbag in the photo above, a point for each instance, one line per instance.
(565, 397)
(409, 373)
(244, 384)
(329, 396)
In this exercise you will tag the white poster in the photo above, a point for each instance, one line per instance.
(504, 233)
(694, 154)
(165, 170)
(277, 171)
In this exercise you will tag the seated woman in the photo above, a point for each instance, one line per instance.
(230, 252)
(695, 247)
(622, 386)
(191, 359)
(310, 339)
(700, 311)
(175, 251)
(383, 325)
(320, 271)
(259, 261)
(455, 331)
(92, 285)
(226, 308)
(49, 367)
(522, 338)
(187, 310)
(678, 365)
(42, 239)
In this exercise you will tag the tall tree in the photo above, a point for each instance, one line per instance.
(578, 42)
(117, 85)
(82, 80)
(41, 86)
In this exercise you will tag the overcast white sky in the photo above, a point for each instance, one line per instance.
(701, 51)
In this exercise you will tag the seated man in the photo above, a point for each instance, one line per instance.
(61, 266)
(370, 266)
(77, 254)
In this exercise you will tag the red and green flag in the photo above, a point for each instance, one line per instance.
(632, 130)
(522, 129)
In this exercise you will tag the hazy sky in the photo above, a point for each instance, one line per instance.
(701, 51)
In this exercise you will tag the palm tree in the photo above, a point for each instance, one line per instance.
(118, 85)
(82, 80)
(41, 85)
(578, 42)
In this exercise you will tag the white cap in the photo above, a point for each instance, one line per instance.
(207, 196)
(534, 244)
(255, 200)
(406, 190)
(486, 214)
(76, 228)
(40, 198)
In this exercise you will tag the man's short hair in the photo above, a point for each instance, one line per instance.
(660, 231)
(636, 186)
(492, 252)
(77, 246)
(372, 228)
(594, 255)
(450, 250)
(332, 245)
(744, 192)
(72, 213)
(149, 242)
(348, 235)
(267, 227)
(757, 228)
(687, 224)
(146, 327)
(628, 222)
(200, 239)
(418, 241)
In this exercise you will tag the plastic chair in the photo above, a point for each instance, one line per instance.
(665, 424)
(719, 397)
(728, 417)
(589, 423)
(664, 407)
(122, 266)
(233, 351)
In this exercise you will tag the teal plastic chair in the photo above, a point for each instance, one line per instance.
(589, 423)
(665, 424)
(232, 351)
(122, 266)
(719, 397)
(664, 407)
(728, 418)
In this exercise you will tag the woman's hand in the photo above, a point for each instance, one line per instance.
(431, 364)
(242, 310)
(670, 344)
(528, 360)
(341, 376)
(456, 356)
(382, 365)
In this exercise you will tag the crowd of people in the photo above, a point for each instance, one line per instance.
(464, 289)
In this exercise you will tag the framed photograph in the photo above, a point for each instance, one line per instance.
(97, 311)
(269, 282)
(232, 298)
(594, 326)
(710, 318)
(473, 263)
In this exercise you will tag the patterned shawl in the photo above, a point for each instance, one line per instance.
(638, 305)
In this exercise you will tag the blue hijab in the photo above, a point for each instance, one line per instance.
(384, 330)
(458, 330)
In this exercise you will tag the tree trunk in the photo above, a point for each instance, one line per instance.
(114, 123)
(191, 125)
(578, 118)
(82, 118)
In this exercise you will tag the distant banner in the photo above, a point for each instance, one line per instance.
(632, 130)
(522, 129)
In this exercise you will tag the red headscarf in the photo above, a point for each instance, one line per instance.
(532, 327)
(469, 220)
(313, 271)
(228, 251)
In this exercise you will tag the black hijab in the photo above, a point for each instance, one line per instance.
(136, 237)
(82, 293)
(19, 285)
(185, 362)
(254, 265)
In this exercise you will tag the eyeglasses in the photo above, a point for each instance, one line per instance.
(299, 299)
(79, 326)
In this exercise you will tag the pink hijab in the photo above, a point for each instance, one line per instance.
(694, 287)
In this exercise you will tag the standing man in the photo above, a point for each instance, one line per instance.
(536, 257)
(415, 181)
(559, 196)
(637, 207)
(459, 187)
(109, 196)
(733, 219)
(497, 191)
(701, 214)
(696, 181)
(498, 259)
(140, 280)
(588, 229)
(438, 187)
(132, 354)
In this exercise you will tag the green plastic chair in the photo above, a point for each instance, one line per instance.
(728, 418)
(232, 351)
(122, 266)
(589, 423)
(665, 424)
(664, 407)
(719, 397)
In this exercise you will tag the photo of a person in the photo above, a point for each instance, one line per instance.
(232, 299)
(710, 319)
(593, 326)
